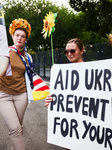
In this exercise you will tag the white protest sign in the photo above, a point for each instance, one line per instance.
(5, 67)
(3, 35)
(80, 116)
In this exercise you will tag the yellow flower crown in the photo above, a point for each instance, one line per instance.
(20, 23)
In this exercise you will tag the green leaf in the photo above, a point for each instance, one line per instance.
(53, 29)
(55, 15)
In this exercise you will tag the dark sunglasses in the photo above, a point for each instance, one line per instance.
(72, 51)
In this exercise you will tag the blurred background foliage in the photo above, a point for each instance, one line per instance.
(90, 20)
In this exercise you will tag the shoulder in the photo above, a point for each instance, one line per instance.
(11, 48)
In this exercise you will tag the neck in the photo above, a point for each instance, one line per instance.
(80, 60)
(20, 48)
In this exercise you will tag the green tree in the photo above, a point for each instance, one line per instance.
(69, 24)
(97, 14)
(34, 12)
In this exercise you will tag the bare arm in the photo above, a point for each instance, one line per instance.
(4, 61)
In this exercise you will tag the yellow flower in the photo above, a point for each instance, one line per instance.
(49, 23)
(45, 28)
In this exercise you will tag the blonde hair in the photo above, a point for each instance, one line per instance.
(110, 38)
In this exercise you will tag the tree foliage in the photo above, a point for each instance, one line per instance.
(69, 24)
(98, 14)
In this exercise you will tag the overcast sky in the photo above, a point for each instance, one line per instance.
(60, 2)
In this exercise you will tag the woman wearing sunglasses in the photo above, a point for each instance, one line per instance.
(74, 51)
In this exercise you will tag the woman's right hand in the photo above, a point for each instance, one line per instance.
(49, 99)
